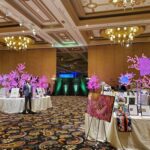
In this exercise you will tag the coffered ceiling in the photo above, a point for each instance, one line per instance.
(69, 23)
(66, 24)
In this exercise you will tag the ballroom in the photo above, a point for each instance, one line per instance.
(74, 74)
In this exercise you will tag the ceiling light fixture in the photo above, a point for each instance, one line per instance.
(122, 35)
(18, 42)
(127, 3)
(34, 32)
(8, 13)
(91, 37)
(127, 45)
(92, 5)
(21, 23)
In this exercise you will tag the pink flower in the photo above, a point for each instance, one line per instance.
(21, 67)
(43, 82)
(94, 83)
(18, 77)
(13, 74)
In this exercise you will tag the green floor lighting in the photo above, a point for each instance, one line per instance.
(65, 89)
(58, 86)
(83, 87)
(76, 88)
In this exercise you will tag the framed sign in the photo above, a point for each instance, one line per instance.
(133, 110)
(101, 108)
(132, 101)
(145, 110)
(14, 93)
(39, 91)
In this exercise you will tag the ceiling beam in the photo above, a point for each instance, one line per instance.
(57, 7)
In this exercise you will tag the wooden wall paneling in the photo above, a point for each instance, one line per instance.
(109, 61)
(38, 62)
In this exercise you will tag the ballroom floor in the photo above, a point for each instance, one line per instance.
(59, 128)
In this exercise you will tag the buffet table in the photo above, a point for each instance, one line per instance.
(16, 105)
(138, 139)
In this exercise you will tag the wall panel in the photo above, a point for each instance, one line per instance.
(38, 62)
(109, 61)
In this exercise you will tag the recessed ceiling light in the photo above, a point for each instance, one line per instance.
(127, 45)
(91, 37)
(62, 34)
(92, 5)
(34, 31)
(21, 23)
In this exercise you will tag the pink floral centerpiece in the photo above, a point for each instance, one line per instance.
(94, 87)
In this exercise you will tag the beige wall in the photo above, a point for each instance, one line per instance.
(110, 61)
(38, 62)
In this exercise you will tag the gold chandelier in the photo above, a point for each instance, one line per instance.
(122, 35)
(18, 42)
(126, 3)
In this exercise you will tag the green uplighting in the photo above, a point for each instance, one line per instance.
(83, 87)
(76, 88)
(65, 89)
(58, 86)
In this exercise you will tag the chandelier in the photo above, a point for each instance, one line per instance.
(122, 35)
(18, 42)
(126, 3)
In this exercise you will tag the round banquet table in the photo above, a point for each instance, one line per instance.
(12, 105)
(16, 105)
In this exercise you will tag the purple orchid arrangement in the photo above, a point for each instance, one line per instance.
(17, 78)
(94, 83)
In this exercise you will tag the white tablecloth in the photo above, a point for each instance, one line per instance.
(138, 139)
(16, 105)
(41, 103)
(11, 105)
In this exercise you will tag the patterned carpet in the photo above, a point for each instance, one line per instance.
(59, 128)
